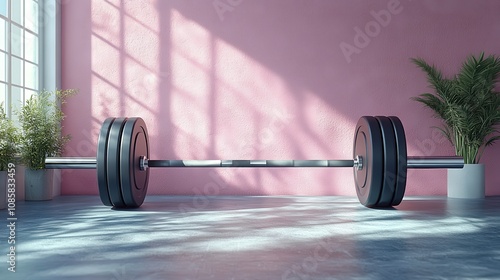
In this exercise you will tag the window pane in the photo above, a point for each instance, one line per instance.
(17, 41)
(3, 67)
(3, 32)
(17, 102)
(31, 10)
(28, 93)
(17, 11)
(31, 75)
(31, 46)
(17, 71)
(4, 7)
(3, 94)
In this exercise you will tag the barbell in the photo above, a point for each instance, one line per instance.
(379, 161)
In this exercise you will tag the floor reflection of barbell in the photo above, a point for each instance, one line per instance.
(379, 161)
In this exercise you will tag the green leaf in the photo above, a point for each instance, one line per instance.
(467, 103)
(40, 120)
(9, 140)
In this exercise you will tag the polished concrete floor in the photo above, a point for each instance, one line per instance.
(75, 237)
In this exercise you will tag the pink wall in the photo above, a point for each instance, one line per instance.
(263, 80)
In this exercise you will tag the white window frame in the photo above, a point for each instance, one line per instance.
(48, 51)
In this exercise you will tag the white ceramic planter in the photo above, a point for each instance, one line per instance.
(467, 182)
(39, 184)
(3, 189)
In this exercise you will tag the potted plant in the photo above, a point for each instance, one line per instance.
(9, 139)
(469, 107)
(42, 137)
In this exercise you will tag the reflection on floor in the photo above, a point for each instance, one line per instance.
(75, 237)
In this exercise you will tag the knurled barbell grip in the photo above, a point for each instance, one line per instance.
(249, 163)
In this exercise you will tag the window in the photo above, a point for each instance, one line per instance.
(19, 53)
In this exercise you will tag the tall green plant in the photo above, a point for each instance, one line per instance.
(467, 103)
(9, 140)
(40, 120)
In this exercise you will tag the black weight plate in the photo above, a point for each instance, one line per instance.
(390, 162)
(134, 144)
(368, 145)
(113, 162)
(402, 160)
(102, 148)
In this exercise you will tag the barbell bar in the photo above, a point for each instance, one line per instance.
(90, 163)
(379, 162)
